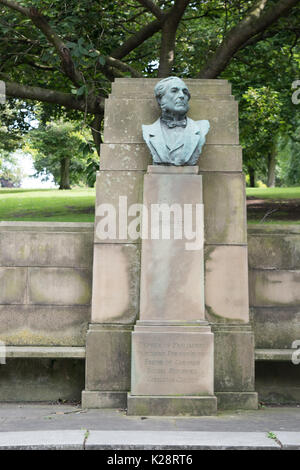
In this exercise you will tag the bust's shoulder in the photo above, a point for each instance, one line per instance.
(202, 126)
(150, 128)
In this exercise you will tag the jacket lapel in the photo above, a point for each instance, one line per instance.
(157, 141)
(192, 140)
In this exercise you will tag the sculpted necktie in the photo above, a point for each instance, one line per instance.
(172, 124)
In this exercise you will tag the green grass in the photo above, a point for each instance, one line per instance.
(274, 193)
(77, 205)
(42, 205)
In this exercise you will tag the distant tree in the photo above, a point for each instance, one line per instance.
(57, 148)
(11, 173)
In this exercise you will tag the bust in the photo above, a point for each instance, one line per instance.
(174, 139)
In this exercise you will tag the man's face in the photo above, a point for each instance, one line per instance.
(175, 98)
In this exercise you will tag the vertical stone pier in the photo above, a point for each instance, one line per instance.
(116, 270)
(172, 369)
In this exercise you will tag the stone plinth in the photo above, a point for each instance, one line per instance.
(172, 366)
(172, 360)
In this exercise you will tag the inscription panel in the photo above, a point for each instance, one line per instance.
(172, 363)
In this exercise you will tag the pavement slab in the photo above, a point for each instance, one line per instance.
(42, 440)
(288, 440)
(172, 440)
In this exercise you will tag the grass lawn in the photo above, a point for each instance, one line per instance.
(274, 193)
(42, 205)
(78, 205)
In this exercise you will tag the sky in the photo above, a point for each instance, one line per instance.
(28, 182)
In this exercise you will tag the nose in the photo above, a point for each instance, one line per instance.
(180, 94)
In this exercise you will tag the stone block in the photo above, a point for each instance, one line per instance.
(237, 400)
(120, 127)
(59, 286)
(116, 281)
(226, 284)
(124, 156)
(171, 281)
(171, 406)
(274, 250)
(110, 186)
(172, 361)
(234, 358)
(13, 285)
(275, 327)
(43, 325)
(122, 87)
(108, 350)
(224, 208)
(137, 157)
(221, 158)
(37, 248)
(274, 288)
(104, 399)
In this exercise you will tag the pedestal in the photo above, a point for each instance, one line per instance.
(172, 366)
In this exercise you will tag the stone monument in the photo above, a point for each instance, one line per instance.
(167, 314)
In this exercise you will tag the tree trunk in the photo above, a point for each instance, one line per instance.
(65, 173)
(96, 132)
(271, 167)
(167, 52)
(251, 172)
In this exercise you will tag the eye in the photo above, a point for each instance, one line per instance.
(174, 90)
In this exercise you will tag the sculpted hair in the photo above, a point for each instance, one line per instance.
(161, 87)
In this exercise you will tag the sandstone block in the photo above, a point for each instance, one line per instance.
(226, 284)
(13, 285)
(116, 280)
(59, 286)
(224, 208)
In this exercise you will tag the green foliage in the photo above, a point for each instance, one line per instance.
(289, 161)
(10, 172)
(57, 147)
(260, 124)
(261, 73)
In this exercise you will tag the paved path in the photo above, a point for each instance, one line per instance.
(44, 426)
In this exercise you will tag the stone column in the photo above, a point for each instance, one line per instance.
(172, 345)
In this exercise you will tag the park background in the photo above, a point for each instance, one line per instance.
(58, 60)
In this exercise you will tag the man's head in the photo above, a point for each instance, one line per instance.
(173, 96)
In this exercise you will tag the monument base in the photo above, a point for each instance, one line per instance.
(171, 405)
(172, 369)
(96, 399)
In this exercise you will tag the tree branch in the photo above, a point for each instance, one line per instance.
(92, 105)
(257, 20)
(137, 39)
(152, 7)
(118, 64)
(41, 23)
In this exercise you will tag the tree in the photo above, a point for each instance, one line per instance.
(57, 149)
(67, 53)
